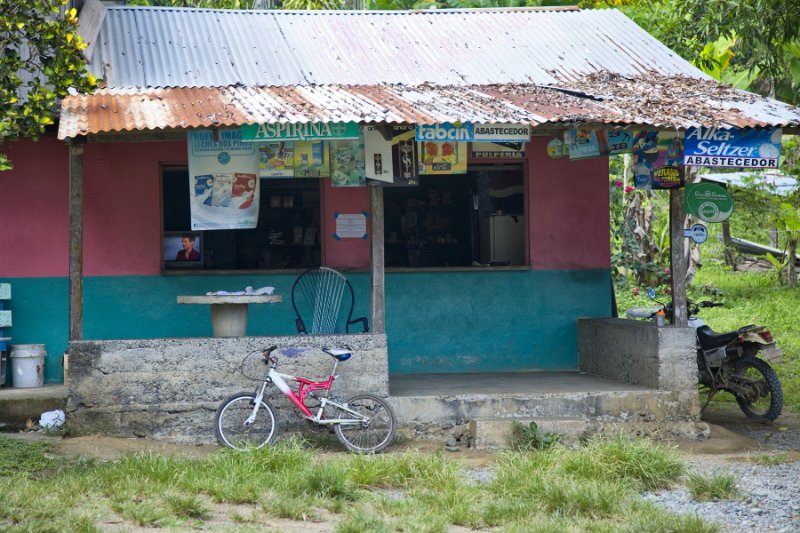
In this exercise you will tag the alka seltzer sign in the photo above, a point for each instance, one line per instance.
(309, 131)
(735, 148)
(512, 133)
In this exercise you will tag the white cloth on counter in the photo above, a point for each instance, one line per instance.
(248, 291)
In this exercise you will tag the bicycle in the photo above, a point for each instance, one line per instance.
(364, 423)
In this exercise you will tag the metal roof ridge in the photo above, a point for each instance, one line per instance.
(320, 12)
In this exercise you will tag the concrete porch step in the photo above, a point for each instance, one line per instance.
(18, 405)
(496, 433)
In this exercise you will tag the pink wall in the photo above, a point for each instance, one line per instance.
(568, 206)
(122, 199)
(34, 210)
(344, 253)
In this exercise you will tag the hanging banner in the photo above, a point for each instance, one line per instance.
(708, 201)
(377, 154)
(404, 155)
(223, 184)
(498, 150)
(585, 143)
(348, 163)
(734, 148)
(656, 160)
(276, 159)
(442, 157)
(311, 159)
(309, 131)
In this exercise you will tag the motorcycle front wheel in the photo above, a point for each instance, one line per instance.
(758, 391)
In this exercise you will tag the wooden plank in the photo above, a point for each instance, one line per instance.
(679, 259)
(5, 291)
(378, 322)
(76, 239)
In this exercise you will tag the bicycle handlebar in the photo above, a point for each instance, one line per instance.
(266, 354)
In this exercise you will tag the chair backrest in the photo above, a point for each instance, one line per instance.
(323, 301)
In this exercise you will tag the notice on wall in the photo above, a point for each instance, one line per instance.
(351, 226)
(734, 148)
(223, 181)
(348, 163)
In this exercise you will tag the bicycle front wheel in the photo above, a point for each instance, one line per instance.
(370, 432)
(232, 426)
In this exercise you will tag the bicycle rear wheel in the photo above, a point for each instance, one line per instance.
(375, 432)
(231, 428)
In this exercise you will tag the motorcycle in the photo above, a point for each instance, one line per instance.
(735, 362)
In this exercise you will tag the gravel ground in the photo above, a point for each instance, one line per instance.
(768, 496)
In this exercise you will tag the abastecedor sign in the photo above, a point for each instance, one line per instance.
(736, 148)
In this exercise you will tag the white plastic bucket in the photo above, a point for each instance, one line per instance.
(27, 365)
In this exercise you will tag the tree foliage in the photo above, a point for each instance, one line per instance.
(40, 59)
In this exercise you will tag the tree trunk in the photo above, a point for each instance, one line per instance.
(791, 268)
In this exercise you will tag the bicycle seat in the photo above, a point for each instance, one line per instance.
(339, 355)
(711, 339)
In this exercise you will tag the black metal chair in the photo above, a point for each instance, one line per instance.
(323, 302)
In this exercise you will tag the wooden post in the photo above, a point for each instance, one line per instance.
(679, 259)
(76, 239)
(378, 322)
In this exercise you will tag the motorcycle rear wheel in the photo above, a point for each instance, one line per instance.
(766, 402)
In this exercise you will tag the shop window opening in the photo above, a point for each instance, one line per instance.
(286, 236)
(475, 219)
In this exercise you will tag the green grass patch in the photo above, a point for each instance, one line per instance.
(771, 458)
(712, 487)
(555, 489)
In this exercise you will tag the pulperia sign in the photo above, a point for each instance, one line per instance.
(708, 201)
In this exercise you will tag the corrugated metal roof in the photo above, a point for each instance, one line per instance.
(650, 100)
(173, 47)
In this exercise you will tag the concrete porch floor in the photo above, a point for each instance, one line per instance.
(503, 383)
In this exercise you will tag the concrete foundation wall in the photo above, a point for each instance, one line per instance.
(640, 353)
(170, 389)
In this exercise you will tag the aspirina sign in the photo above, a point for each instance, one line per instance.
(710, 147)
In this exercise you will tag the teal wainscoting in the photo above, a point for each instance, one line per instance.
(479, 321)
(490, 321)
(40, 315)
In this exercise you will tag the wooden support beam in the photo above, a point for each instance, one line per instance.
(378, 322)
(76, 239)
(679, 259)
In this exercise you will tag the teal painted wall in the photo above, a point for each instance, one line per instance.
(480, 321)
(491, 321)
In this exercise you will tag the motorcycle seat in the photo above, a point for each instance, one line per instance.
(709, 338)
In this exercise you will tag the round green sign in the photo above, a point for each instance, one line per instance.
(708, 201)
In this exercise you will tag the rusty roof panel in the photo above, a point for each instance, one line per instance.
(178, 47)
(651, 100)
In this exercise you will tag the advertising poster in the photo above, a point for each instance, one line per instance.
(223, 189)
(657, 160)
(311, 159)
(377, 155)
(585, 143)
(442, 157)
(348, 163)
(276, 159)
(734, 148)
(404, 155)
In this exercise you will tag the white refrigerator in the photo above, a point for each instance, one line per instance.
(503, 239)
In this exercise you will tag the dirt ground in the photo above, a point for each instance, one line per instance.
(731, 434)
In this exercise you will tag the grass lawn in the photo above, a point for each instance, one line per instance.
(749, 298)
(595, 487)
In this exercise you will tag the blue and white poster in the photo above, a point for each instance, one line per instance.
(732, 148)
(223, 180)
